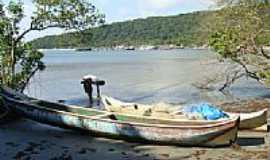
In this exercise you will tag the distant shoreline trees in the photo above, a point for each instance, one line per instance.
(179, 30)
(182, 30)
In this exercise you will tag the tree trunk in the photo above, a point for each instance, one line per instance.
(13, 58)
(12, 62)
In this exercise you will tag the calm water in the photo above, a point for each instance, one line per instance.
(143, 76)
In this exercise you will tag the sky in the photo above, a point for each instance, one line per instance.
(121, 10)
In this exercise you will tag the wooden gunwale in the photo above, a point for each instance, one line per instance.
(248, 121)
(197, 127)
(153, 118)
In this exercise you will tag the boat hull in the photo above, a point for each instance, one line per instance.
(248, 121)
(219, 134)
(252, 120)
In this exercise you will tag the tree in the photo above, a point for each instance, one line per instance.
(18, 60)
(239, 32)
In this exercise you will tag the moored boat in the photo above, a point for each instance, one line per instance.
(254, 120)
(83, 49)
(135, 128)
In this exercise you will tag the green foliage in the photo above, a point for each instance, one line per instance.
(239, 33)
(18, 60)
(181, 29)
(225, 43)
(68, 14)
(184, 29)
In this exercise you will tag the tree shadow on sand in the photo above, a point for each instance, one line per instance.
(61, 143)
(250, 141)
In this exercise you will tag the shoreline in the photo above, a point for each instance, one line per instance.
(123, 49)
(137, 48)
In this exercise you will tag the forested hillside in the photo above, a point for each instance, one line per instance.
(184, 29)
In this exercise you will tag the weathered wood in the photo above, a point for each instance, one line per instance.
(7, 116)
(121, 126)
(263, 128)
(253, 120)
(248, 121)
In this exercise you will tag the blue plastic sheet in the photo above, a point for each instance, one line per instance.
(205, 111)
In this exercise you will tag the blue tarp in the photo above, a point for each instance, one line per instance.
(204, 111)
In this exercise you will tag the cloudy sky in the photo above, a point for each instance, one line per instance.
(121, 10)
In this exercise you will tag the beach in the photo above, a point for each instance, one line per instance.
(134, 80)
(27, 140)
(23, 139)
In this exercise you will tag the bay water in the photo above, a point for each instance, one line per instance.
(141, 76)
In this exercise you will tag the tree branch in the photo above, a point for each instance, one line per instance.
(24, 83)
(250, 74)
(264, 54)
(230, 81)
(18, 39)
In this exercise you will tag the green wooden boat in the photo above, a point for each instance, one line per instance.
(101, 123)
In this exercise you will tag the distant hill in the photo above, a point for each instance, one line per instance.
(183, 29)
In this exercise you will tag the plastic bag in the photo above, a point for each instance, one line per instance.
(203, 111)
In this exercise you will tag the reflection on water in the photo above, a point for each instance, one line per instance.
(143, 76)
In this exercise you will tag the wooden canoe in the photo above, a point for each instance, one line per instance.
(6, 115)
(120, 126)
(254, 120)
(3, 115)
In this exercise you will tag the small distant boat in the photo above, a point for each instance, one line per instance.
(83, 49)
(101, 123)
(130, 48)
(248, 121)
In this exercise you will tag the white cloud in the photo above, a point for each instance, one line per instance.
(169, 7)
(156, 7)
(158, 4)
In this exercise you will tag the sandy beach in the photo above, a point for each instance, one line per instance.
(159, 78)
(27, 140)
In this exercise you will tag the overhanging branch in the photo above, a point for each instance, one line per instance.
(249, 73)
(24, 83)
(18, 39)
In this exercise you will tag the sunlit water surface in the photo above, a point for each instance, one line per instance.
(142, 76)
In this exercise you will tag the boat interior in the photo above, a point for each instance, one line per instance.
(94, 113)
